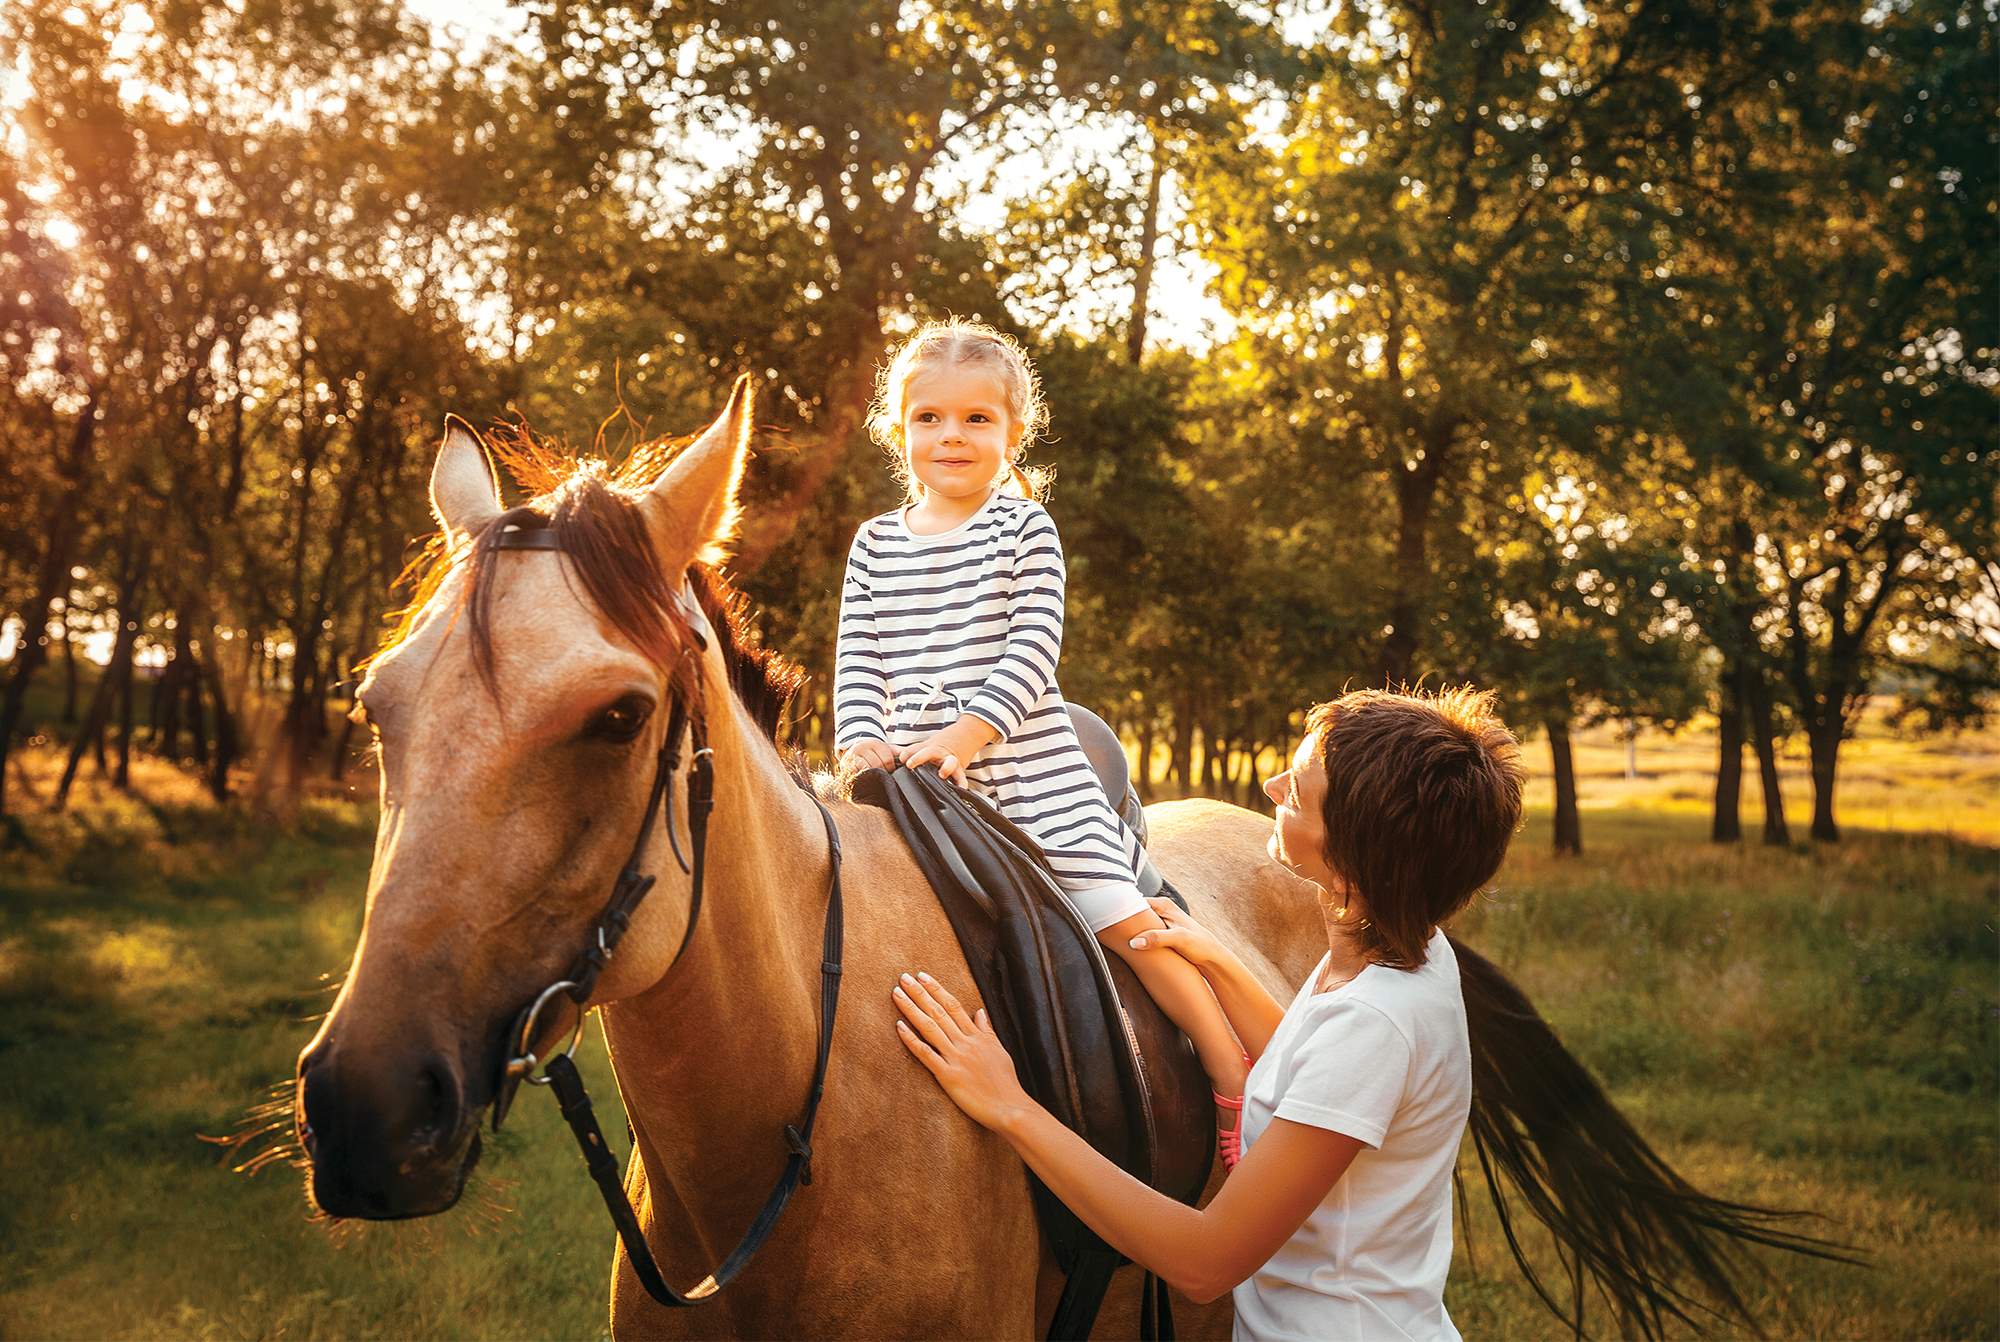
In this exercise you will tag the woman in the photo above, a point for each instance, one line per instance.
(1337, 1223)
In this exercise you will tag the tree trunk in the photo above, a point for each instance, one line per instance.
(1728, 823)
(197, 721)
(1758, 694)
(305, 715)
(128, 690)
(1416, 493)
(52, 579)
(226, 747)
(1569, 825)
(164, 708)
(1142, 775)
(1180, 758)
(91, 729)
(117, 680)
(1824, 743)
(1149, 240)
(69, 670)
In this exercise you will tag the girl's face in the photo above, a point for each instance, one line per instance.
(1298, 831)
(957, 431)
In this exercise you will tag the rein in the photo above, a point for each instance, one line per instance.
(518, 1062)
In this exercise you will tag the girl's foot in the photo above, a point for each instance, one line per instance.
(1228, 1140)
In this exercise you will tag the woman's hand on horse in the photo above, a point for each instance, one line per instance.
(960, 1050)
(867, 755)
(1182, 934)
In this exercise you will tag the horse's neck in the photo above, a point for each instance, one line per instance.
(714, 1060)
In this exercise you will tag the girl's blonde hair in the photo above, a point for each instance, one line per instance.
(957, 341)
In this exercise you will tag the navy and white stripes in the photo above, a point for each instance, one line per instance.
(970, 621)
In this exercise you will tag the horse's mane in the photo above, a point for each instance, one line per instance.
(593, 508)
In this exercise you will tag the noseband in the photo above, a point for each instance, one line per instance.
(518, 1062)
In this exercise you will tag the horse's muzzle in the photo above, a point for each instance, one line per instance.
(387, 1138)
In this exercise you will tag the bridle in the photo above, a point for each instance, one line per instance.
(517, 1063)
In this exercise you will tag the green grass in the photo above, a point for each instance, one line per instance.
(154, 992)
(1812, 1028)
(1809, 1028)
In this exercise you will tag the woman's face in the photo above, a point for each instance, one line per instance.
(1298, 832)
(957, 430)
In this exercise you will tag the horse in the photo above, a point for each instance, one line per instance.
(517, 708)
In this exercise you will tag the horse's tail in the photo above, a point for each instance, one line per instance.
(1618, 1213)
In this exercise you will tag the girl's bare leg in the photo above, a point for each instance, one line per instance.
(1185, 996)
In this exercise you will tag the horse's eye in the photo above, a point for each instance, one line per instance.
(622, 721)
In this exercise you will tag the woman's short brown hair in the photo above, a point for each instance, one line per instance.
(1423, 794)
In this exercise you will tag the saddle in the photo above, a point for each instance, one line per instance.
(1087, 1040)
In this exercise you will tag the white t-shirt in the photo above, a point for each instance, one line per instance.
(1383, 1058)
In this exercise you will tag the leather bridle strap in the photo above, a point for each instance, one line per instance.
(604, 1168)
(517, 1061)
(608, 928)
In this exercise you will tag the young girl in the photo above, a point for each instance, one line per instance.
(951, 619)
(1338, 1222)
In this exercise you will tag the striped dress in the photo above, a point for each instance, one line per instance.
(970, 621)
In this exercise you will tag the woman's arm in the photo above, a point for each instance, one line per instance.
(1200, 1252)
(1253, 1013)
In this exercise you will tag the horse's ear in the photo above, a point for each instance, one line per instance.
(464, 494)
(692, 508)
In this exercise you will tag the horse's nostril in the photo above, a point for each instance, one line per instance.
(438, 1104)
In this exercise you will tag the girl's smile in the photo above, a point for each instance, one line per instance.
(957, 431)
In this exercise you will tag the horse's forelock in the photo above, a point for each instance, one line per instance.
(606, 545)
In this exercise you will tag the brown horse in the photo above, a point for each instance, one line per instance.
(519, 708)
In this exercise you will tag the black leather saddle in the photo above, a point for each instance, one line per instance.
(1087, 1040)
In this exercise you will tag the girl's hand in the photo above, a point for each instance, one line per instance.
(935, 751)
(961, 1051)
(1182, 934)
(953, 748)
(866, 755)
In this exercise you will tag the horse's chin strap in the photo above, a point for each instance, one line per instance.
(606, 931)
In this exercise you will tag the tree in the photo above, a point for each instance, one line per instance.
(1423, 238)
(1827, 304)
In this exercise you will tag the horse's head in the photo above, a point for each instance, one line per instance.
(519, 710)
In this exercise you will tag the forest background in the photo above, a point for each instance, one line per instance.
(1638, 360)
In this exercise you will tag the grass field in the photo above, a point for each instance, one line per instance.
(1813, 1028)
